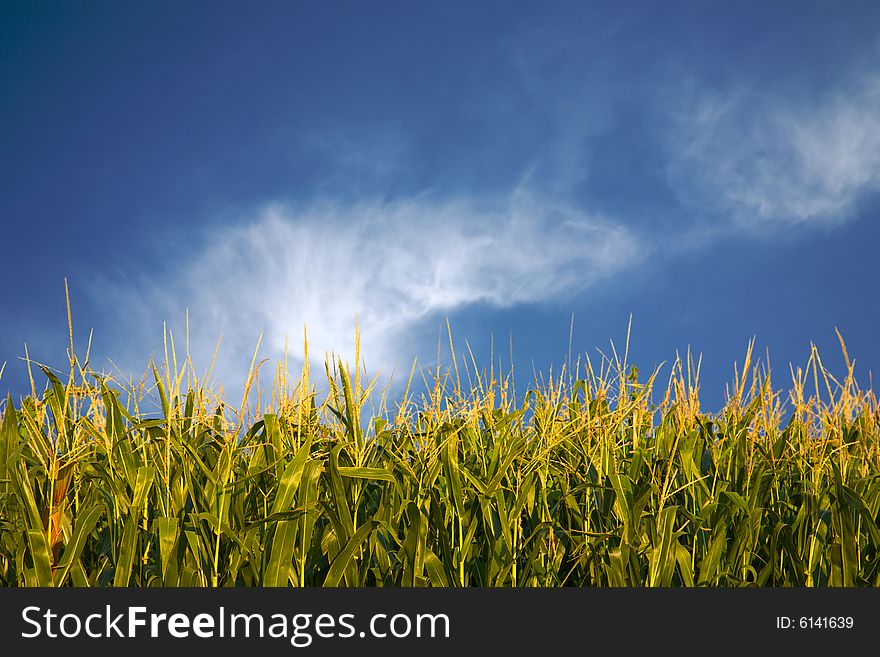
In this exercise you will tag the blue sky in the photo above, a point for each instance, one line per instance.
(712, 169)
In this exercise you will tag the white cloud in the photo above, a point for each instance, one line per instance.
(391, 264)
(761, 158)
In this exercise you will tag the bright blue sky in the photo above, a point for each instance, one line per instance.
(711, 168)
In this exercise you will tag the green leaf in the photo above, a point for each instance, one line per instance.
(39, 548)
(168, 530)
(290, 479)
(9, 440)
(342, 560)
(281, 554)
(85, 523)
(127, 549)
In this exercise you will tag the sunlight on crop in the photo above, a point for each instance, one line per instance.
(593, 476)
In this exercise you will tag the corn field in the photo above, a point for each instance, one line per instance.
(592, 477)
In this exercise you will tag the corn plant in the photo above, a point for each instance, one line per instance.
(593, 477)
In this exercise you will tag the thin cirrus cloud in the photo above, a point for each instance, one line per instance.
(760, 160)
(752, 161)
(390, 265)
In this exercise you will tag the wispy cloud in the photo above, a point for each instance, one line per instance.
(759, 158)
(745, 159)
(392, 265)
